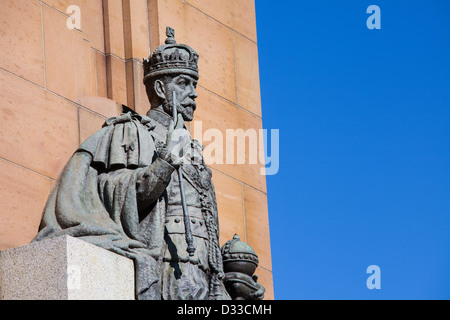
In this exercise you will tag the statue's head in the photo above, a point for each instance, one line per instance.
(172, 68)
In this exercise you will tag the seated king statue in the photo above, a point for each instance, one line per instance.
(139, 187)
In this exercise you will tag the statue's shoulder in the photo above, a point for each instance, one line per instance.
(123, 141)
(131, 117)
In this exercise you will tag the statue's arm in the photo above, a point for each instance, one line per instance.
(152, 181)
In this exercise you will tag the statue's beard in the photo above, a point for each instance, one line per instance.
(186, 109)
(188, 113)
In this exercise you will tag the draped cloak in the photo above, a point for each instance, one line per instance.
(108, 195)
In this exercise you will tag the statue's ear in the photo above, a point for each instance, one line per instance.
(160, 89)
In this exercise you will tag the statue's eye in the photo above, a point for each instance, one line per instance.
(182, 83)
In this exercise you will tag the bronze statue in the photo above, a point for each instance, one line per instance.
(139, 187)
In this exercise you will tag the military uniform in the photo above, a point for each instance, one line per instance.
(182, 276)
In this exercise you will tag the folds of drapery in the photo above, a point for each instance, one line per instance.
(94, 198)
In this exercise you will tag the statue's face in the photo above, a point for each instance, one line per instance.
(184, 86)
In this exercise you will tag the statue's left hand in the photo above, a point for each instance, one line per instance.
(243, 287)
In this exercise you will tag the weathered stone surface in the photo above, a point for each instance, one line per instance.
(65, 268)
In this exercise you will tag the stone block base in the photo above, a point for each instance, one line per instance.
(65, 268)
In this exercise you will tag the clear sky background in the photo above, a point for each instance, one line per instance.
(364, 120)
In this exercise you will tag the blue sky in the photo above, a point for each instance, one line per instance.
(364, 120)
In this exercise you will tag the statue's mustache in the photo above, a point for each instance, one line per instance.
(186, 103)
(189, 103)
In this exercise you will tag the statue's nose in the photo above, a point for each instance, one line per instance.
(193, 94)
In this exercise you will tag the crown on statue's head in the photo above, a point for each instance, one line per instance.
(171, 58)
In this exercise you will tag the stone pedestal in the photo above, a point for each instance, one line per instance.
(65, 268)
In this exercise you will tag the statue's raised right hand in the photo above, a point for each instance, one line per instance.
(178, 138)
